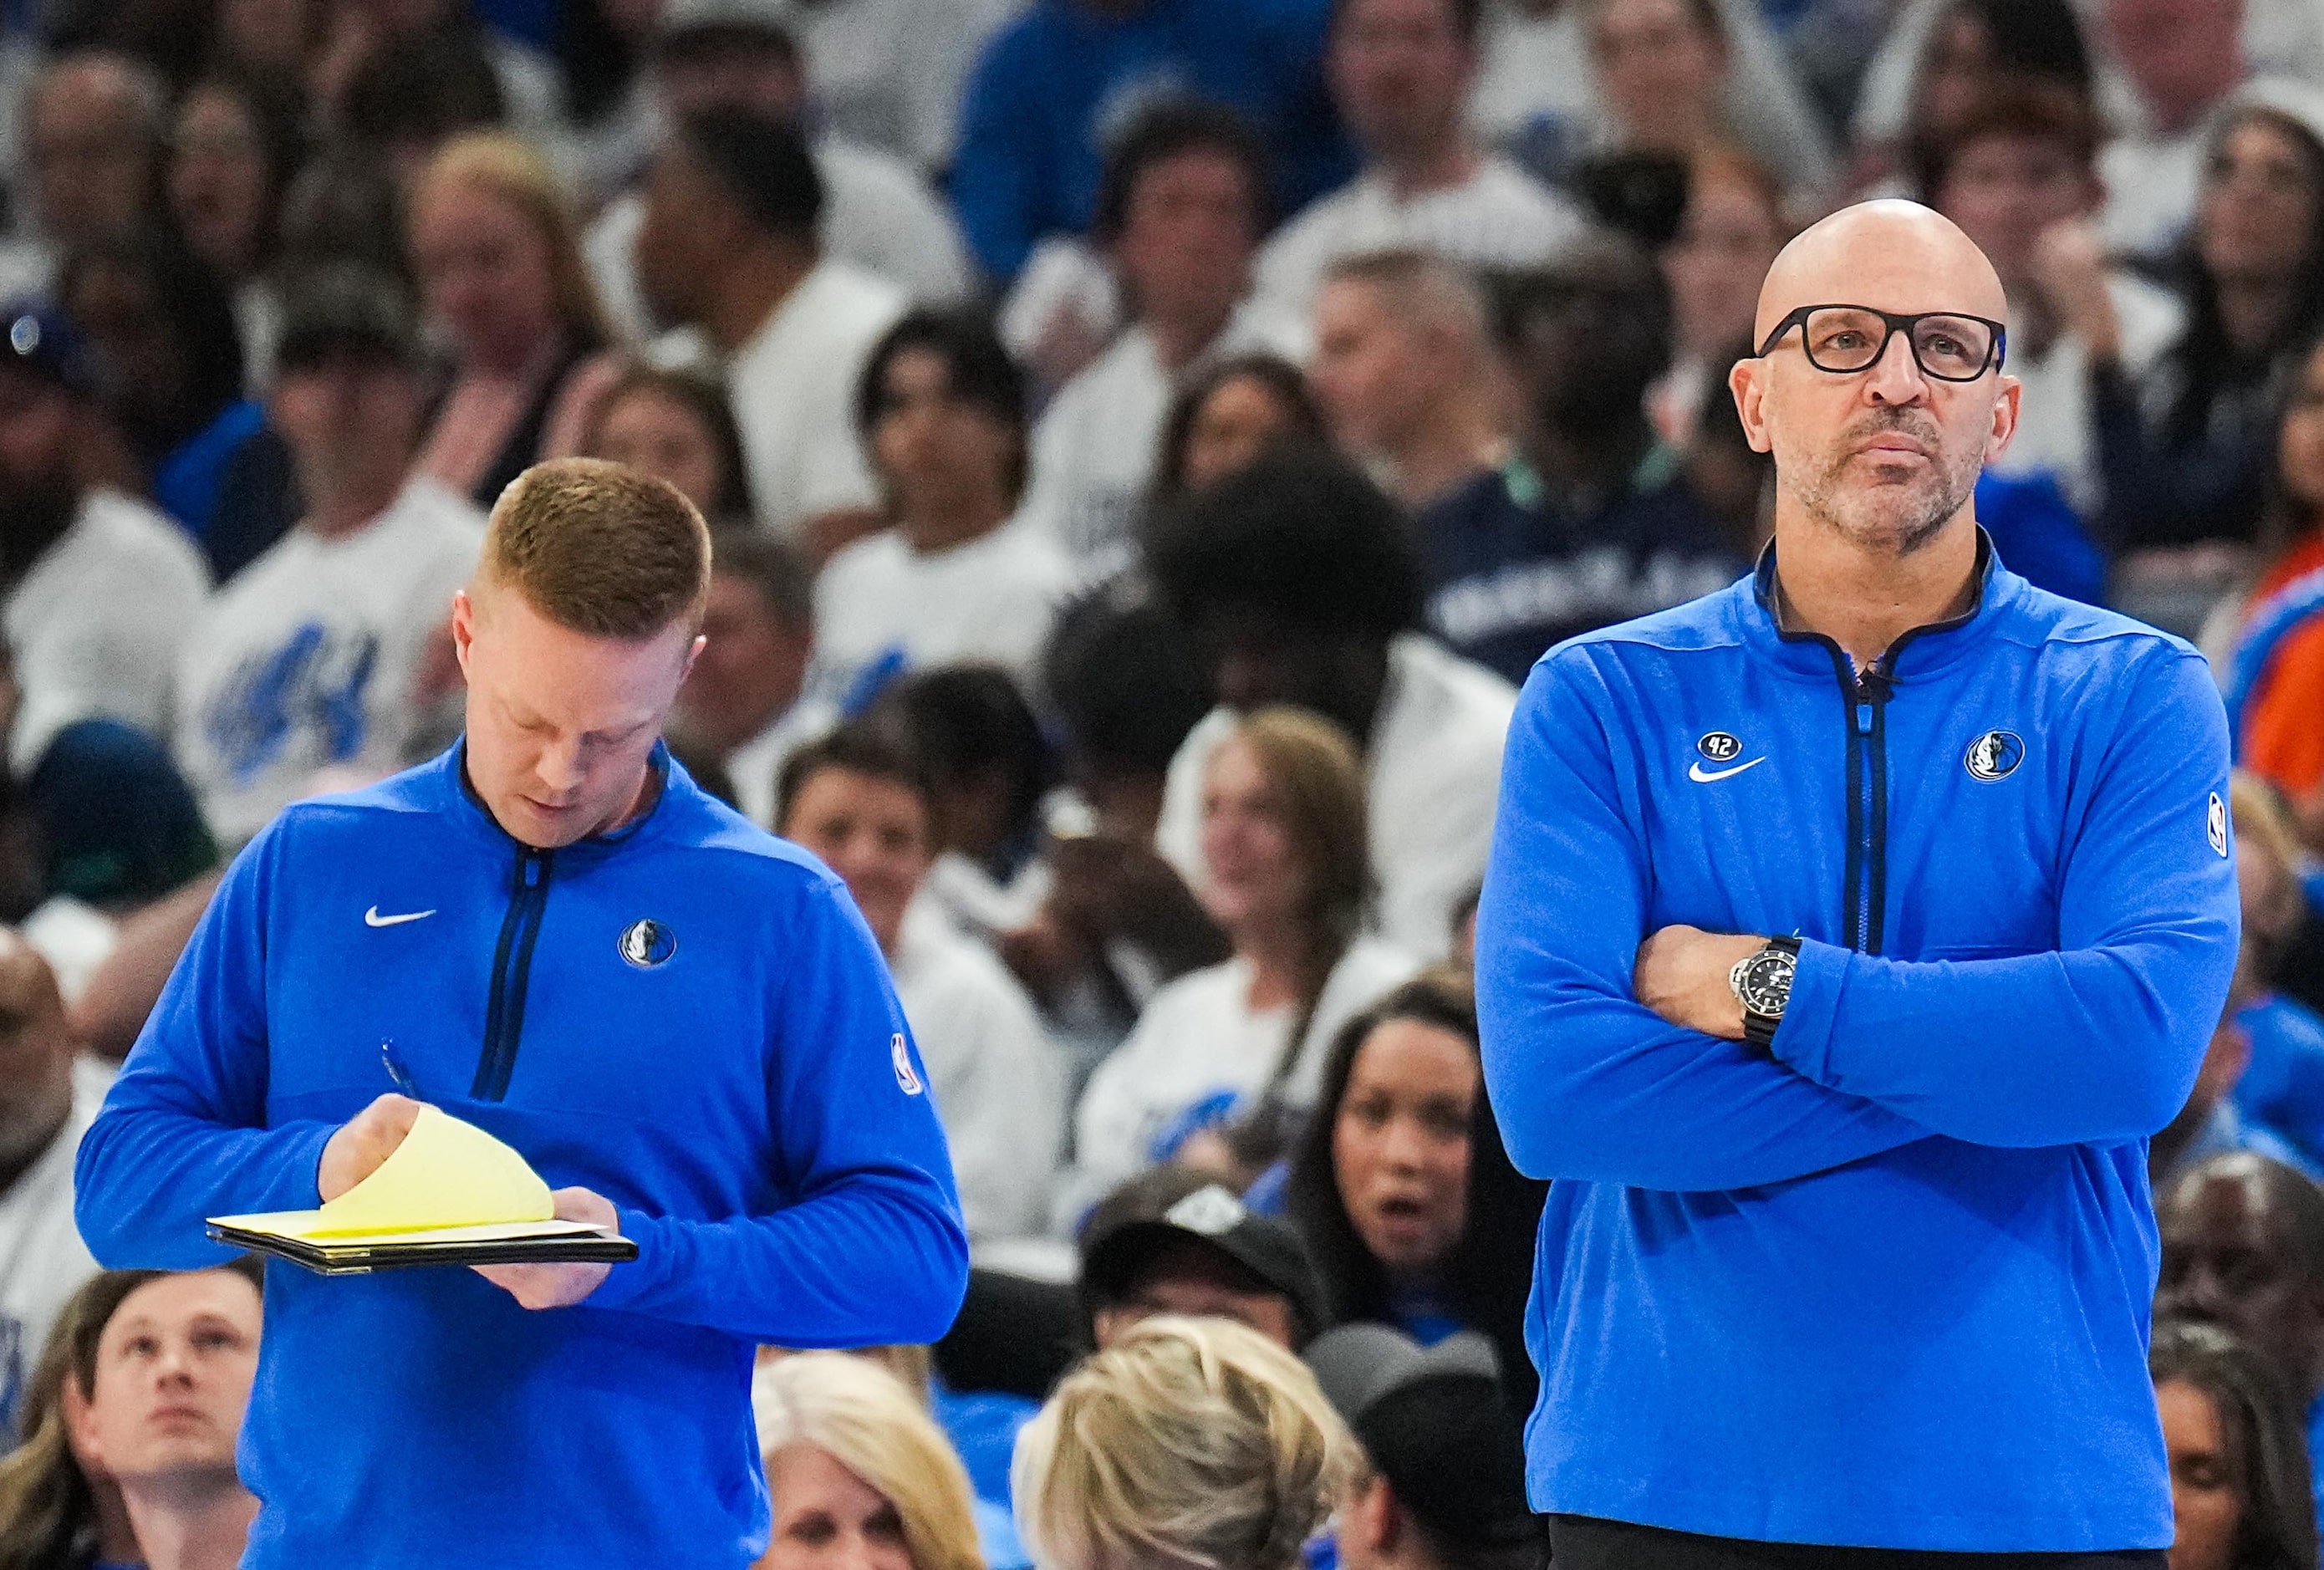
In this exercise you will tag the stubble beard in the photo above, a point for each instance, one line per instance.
(1892, 519)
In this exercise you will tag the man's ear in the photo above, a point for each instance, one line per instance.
(1377, 1518)
(1748, 381)
(80, 1425)
(2004, 417)
(464, 626)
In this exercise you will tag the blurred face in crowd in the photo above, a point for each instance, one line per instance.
(1257, 879)
(1188, 233)
(487, 273)
(735, 68)
(40, 424)
(2206, 1489)
(1400, 1144)
(829, 1519)
(2180, 54)
(752, 668)
(1240, 422)
(351, 417)
(1374, 370)
(1887, 457)
(689, 223)
(647, 429)
(1400, 72)
(1725, 242)
(1195, 1278)
(2006, 191)
(1588, 341)
(1659, 63)
(1255, 660)
(1961, 60)
(561, 724)
(36, 1054)
(2261, 188)
(2230, 1259)
(131, 334)
(219, 185)
(935, 451)
(91, 153)
(870, 830)
(274, 36)
(173, 1371)
(2300, 444)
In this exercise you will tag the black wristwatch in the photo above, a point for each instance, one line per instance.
(1761, 981)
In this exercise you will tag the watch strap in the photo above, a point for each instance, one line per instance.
(1758, 1029)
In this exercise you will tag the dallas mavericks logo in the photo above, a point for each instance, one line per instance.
(1718, 746)
(906, 1080)
(1994, 755)
(648, 943)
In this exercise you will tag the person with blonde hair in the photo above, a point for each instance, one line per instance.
(496, 248)
(1190, 1443)
(851, 1453)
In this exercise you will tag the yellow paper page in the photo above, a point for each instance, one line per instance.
(506, 1231)
(447, 1173)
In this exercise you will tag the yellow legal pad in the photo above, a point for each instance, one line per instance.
(450, 1194)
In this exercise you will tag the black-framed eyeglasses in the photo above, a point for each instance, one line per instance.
(1842, 339)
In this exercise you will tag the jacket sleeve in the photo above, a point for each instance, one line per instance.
(183, 1135)
(2098, 1041)
(871, 1249)
(1586, 1081)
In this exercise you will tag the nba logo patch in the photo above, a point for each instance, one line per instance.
(906, 1080)
(2216, 824)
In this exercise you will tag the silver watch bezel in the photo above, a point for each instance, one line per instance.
(1753, 982)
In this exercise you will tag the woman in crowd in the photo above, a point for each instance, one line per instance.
(2239, 1467)
(1941, 55)
(1227, 417)
(859, 1472)
(1230, 1054)
(1408, 1205)
(99, 1479)
(1190, 1442)
(239, 142)
(1728, 236)
(496, 249)
(677, 426)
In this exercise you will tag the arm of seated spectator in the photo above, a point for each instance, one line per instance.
(121, 996)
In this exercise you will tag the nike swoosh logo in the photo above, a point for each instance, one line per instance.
(372, 918)
(1704, 777)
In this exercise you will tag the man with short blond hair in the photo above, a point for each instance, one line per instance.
(678, 1020)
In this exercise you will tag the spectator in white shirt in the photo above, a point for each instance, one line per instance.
(100, 590)
(729, 246)
(1300, 584)
(955, 576)
(862, 803)
(878, 213)
(92, 147)
(1405, 370)
(1223, 1059)
(1400, 72)
(1180, 213)
(888, 73)
(1230, 414)
(2183, 59)
(741, 704)
(1728, 236)
(312, 658)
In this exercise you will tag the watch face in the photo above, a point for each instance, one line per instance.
(1765, 983)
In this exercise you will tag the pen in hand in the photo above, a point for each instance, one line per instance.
(396, 1071)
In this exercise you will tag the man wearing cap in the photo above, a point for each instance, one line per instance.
(1443, 1483)
(100, 590)
(310, 659)
(1199, 1252)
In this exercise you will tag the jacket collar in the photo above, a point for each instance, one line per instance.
(1923, 652)
(457, 796)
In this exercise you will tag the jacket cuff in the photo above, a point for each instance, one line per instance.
(630, 1280)
(1803, 1041)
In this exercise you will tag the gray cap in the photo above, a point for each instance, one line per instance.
(779, 19)
(347, 306)
(1357, 1364)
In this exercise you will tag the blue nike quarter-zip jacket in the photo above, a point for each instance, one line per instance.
(1890, 1287)
(688, 1016)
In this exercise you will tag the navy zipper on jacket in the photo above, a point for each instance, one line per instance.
(1864, 880)
(512, 974)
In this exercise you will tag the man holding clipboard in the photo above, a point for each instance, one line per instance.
(552, 934)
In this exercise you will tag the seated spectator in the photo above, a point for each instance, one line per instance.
(1440, 1483)
(742, 704)
(955, 573)
(1227, 417)
(49, 1095)
(676, 426)
(1399, 1186)
(1175, 1240)
(745, 57)
(2240, 1492)
(93, 127)
(1405, 373)
(239, 142)
(2212, 1123)
(862, 803)
(1180, 215)
(413, 95)
(1038, 112)
(888, 74)
(2275, 674)
(1298, 581)
(54, 1511)
(2184, 453)
(728, 245)
(1728, 233)
(2182, 60)
(1597, 524)
(1224, 1058)
(1238, 1454)
(1126, 686)
(2282, 1086)
(102, 590)
(857, 1472)
(373, 48)
(1400, 72)
(2243, 1248)
(494, 247)
(1938, 58)
(1666, 77)
(311, 658)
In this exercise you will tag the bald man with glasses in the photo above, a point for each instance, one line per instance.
(1847, 934)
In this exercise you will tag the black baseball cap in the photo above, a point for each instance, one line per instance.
(1435, 1422)
(344, 307)
(43, 342)
(1120, 1246)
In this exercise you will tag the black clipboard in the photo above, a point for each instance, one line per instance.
(326, 1258)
